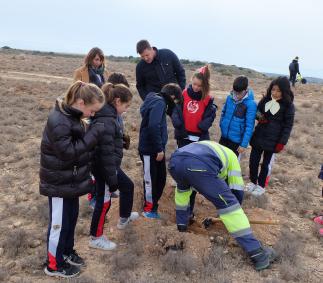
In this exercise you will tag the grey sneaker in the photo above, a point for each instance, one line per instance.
(258, 191)
(123, 222)
(102, 243)
(250, 187)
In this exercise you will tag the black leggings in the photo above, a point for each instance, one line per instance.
(254, 161)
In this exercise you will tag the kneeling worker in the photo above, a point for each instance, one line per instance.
(205, 166)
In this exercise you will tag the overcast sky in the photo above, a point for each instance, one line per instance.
(261, 34)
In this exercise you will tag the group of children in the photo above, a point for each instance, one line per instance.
(83, 142)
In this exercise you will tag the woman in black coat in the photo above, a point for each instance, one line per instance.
(275, 115)
(66, 152)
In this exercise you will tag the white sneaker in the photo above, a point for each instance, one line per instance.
(250, 187)
(258, 191)
(122, 224)
(102, 243)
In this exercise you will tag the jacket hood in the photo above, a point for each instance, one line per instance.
(247, 97)
(66, 109)
(107, 110)
(151, 99)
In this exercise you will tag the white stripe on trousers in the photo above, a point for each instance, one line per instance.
(270, 165)
(56, 225)
(147, 179)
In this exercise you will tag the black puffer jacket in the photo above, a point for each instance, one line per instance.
(276, 129)
(66, 154)
(109, 150)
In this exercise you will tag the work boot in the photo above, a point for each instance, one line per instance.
(262, 257)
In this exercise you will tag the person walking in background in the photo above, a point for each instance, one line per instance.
(152, 144)
(293, 70)
(66, 152)
(238, 117)
(94, 68)
(157, 68)
(275, 115)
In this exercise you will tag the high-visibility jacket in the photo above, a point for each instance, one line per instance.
(231, 171)
(217, 164)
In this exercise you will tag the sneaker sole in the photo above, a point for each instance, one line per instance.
(57, 274)
(123, 226)
(154, 218)
(102, 249)
(75, 264)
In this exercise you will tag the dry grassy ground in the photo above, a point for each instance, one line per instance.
(29, 85)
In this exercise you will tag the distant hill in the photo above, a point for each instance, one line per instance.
(225, 70)
(310, 80)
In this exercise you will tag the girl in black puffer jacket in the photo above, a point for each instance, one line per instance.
(275, 115)
(66, 152)
(108, 174)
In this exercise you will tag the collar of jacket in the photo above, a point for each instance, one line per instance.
(108, 110)
(157, 58)
(67, 110)
(194, 95)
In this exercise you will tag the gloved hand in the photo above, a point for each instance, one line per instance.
(279, 147)
(182, 228)
(92, 135)
(126, 141)
(113, 188)
(261, 118)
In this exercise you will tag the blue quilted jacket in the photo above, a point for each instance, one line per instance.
(238, 119)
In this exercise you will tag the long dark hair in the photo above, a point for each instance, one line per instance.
(284, 86)
(91, 55)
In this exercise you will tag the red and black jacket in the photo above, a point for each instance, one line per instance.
(194, 116)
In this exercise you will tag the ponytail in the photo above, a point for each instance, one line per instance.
(204, 75)
(89, 93)
(111, 92)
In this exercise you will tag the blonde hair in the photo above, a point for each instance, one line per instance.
(89, 93)
(112, 92)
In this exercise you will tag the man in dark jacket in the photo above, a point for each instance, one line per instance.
(152, 143)
(156, 69)
(293, 70)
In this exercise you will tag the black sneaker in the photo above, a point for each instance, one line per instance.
(262, 257)
(66, 271)
(74, 259)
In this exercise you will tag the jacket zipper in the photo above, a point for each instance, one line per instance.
(231, 121)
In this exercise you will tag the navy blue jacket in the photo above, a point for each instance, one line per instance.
(153, 129)
(165, 68)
